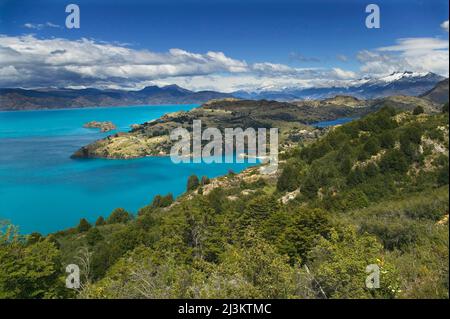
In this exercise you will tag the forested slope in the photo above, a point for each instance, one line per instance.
(373, 191)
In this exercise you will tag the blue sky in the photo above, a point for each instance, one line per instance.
(282, 38)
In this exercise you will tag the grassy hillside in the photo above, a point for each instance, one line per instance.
(374, 191)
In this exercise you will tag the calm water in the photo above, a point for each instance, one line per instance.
(42, 189)
(339, 121)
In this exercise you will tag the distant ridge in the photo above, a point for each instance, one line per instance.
(20, 99)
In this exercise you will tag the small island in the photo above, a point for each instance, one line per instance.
(103, 126)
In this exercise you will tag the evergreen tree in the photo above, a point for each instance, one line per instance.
(418, 110)
(100, 221)
(93, 236)
(289, 179)
(192, 183)
(205, 180)
(83, 226)
(119, 216)
(372, 146)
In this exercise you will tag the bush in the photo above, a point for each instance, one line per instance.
(100, 221)
(93, 236)
(119, 216)
(356, 177)
(372, 146)
(205, 180)
(162, 201)
(192, 183)
(412, 135)
(394, 161)
(83, 226)
(418, 110)
(394, 234)
(289, 179)
(387, 139)
(443, 176)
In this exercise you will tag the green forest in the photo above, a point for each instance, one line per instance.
(373, 191)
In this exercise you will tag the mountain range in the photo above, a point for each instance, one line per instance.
(398, 83)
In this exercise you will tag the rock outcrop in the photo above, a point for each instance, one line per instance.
(103, 126)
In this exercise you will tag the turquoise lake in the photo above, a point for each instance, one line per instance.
(339, 121)
(43, 190)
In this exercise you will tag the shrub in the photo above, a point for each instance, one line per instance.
(162, 201)
(387, 139)
(119, 216)
(289, 179)
(372, 146)
(205, 180)
(100, 221)
(192, 183)
(93, 236)
(83, 226)
(418, 110)
(394, 161)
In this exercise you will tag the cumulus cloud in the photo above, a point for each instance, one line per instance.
(28, 61)
(61, 62)
(445, 26)
(414, 54)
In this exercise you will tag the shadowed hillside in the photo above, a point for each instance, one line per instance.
(438, 94)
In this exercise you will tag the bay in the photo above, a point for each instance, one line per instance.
(42, 189)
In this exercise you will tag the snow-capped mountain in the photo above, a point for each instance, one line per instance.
(397, 83)
(396, 76)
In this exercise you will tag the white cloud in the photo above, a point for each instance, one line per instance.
(413, 54)
(61, 62)
(28, 61)
(247, 82)
(445, 26)
(344, 75)
(416, 45)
